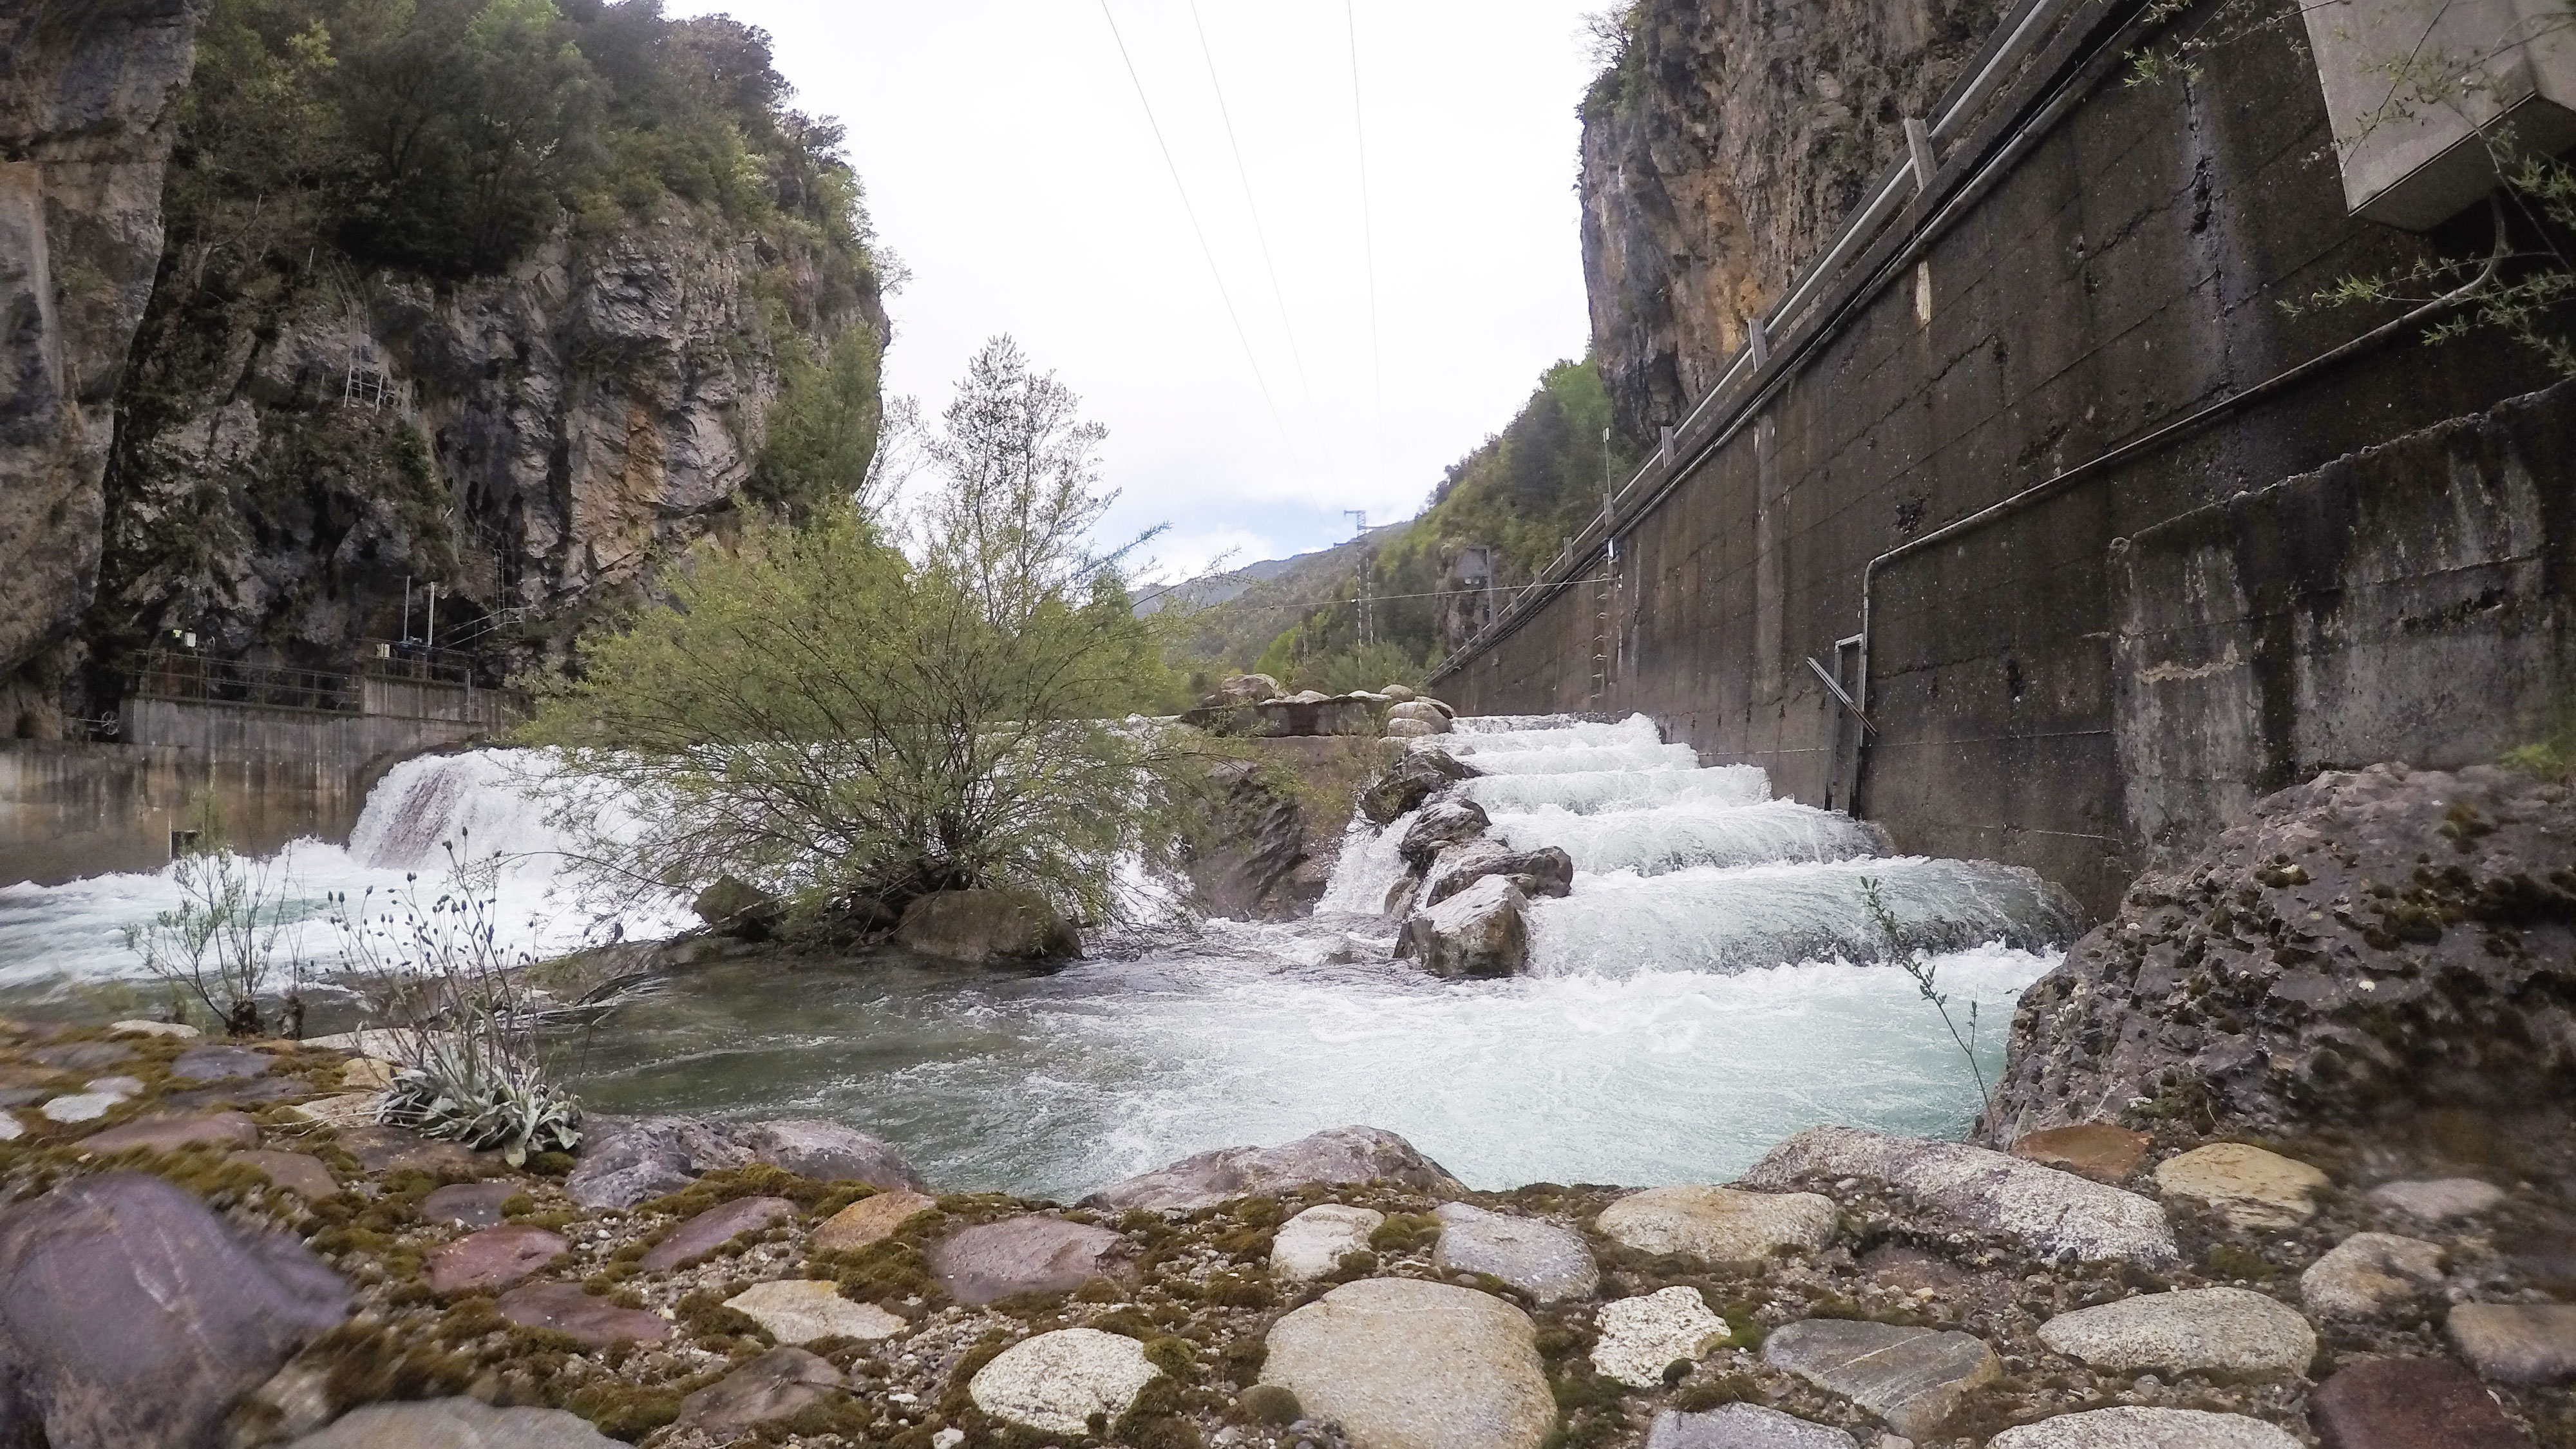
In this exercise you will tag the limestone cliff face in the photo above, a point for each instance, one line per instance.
(532, 441)
(1720, 153)
(87, 100)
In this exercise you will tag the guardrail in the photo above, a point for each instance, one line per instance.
(171, 674)
(1727, 402)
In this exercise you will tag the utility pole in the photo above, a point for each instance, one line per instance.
(1359, 529)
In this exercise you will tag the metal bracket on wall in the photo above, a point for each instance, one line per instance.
(1826, 676)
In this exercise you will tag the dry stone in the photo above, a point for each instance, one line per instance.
(456, 1424)
(1742, 1426)
(74, 1107)
(130, 1315)
(169, 1134)
(304, 1176)
(2517, 1343)
(2371, 1273)
(870, 1220)
(2040, 1209)
(2248, 1186)
(1641, 1337)
(171, 1029)
(1335, 1157)
(826, 1152)
(2440, 1199)
(713, 1229)
(1026, 1255)
(1540, 1259)
(467, 1204)
(1405, 1364)
(492, 1258)
(2136, 1428)
(2410, 1403)
(802, 1310)
(2199, 1330)
(596, 1322)
(1311, 1244)
(779, 1384)
(1055, 1382)
(2096, 1150)
(1914, 1378)
(1720, 1224)
(220, 1064)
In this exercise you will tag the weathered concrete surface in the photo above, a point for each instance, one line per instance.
(2125, 273)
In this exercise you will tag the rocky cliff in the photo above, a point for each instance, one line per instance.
(88, 100)
(1722, 148)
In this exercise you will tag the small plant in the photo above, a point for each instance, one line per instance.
(227, 943)
(1917, 963)
(464, 1024)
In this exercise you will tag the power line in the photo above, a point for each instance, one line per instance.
(1243, 173)
(1368, 225)
(1205, 250)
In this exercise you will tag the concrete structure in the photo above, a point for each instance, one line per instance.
(268, 774)
(2041, 473)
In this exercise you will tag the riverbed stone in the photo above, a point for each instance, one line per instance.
(11, 1129)
(596, 1322)
(1547, 1262)
(1641, 1337)
(1914, 1378)
(2248, 1186)
(1742, 1426)
(1412, 779)
(2096, 1150)
(981, 927)
(2439, 1199)
(2196, 1330)
(800, 1310)
(2140, 1428)
(1311, 1244)
(220, 1064)
(169, 1134)
(1030, 1254)
(468, 1204)
(1334, 1157)
(248, 1092)
(1055, 1382)
(826, 1152)
(1721, 1224)
(2517, 1343)
(624, 1160)
(870, 1220)
(779, 1384)
(491, 1258)
(714, 1228)
(1404, 1364)
(305, 1176)
(1993, 1194)
(128, 1088)
(2410, 1403)
(2369, 1274)
(380, 1148)
(347, 1109)
(83, 1056)
(131, 1315)
(1438, 825)
(76, 1107)
(175, 1031)
(1482, 931)
(456, 1424)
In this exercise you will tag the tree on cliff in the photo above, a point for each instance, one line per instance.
(850, 724)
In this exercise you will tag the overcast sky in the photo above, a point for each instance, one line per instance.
(1012, 169)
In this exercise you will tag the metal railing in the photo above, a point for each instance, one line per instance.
(1719, 410)
(163, 674)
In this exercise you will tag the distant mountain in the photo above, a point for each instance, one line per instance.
(1224, 588)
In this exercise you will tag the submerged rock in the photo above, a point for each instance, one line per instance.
(1404, 1364)
(1481, 931)
(981, 927)
(131, 1315)
(1054, 1383)
(1333, 1157)
(2043, 1211)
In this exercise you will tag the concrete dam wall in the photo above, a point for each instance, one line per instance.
(2239, 542)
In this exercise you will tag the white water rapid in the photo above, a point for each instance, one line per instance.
(1714, 982)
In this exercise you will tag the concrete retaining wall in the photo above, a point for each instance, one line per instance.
(2129, 270)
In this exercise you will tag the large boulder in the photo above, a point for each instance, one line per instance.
(1546, 871)
(1404, 1364)
(1336, 1156)
(131, 1315)
(1432, 719)
(1412, 779)
(2372, 939)
(624, 1160)
(1439, 826)
(1481, 931)
(733, 907)
(1985, 1194)
(825, 1152)
(982, 927)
